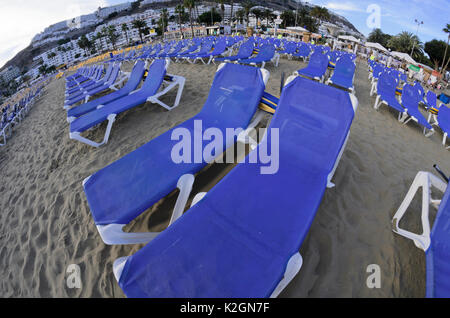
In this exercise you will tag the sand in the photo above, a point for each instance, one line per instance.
(45, 222)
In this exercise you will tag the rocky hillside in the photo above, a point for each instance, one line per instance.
(24, 59)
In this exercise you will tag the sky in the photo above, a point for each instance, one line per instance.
(21, 20)
(395, 15)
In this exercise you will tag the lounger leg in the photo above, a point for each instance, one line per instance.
(372, 89)
(402, 117)
(178, 80)
(293, 267)
(113, 234)
(444, 140)
(425, 181)
(77, 136)
(185, 184)
(4, 138)
(245, 138)
(118, 267)
(431, 132)
(331, 175)
(377, 104)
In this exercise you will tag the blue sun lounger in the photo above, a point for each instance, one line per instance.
(434, 242)
(219, 49)
(431, 100)
(147, 93)
(93, 75)
(135, 78)
(303, 52)
(125, 189)
(245, 51)
(90, 84)
(441, 120)
(317, 67)
(344, 73)
(242, 239)
(386, 87)
(266, 54)
(96, 89)
(410, 102)
(205, 48)
(289, 48)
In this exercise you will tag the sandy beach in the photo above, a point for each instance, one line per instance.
(46, 225)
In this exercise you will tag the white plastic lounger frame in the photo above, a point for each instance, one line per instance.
(177, 80)
(113, 234)
(378, 102)
(320, 79)
(432, 131)
(426, 181)
(5, 133)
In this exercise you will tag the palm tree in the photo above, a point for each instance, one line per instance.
(231, 13)
(404, 42)
(112, 35)
(446, 30)
(83, 43)
(222, 8)
(268, 15)
(179, 10)
(164, 17)
(99, 36)
(125, 30)
(247, 5)
(140, 25)
(240, 15)
(321, 13)
(190, 5)
(258, 14)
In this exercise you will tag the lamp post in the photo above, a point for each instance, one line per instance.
(417, 32)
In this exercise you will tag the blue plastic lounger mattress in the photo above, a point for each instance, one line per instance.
(237, 241)
(150, 87)
(135, 78)
(438, 254)
(123, 190)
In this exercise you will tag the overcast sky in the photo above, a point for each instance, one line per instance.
(20, 20)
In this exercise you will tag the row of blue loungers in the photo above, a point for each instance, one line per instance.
(12, 116)
(388, 84)
(242, 238)
(86, 112)
(251, 51)
(88, 82)
(434, 241)
(342, 72)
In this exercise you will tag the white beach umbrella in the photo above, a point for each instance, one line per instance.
(376, 46)
(348, 38)
(404, 56)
